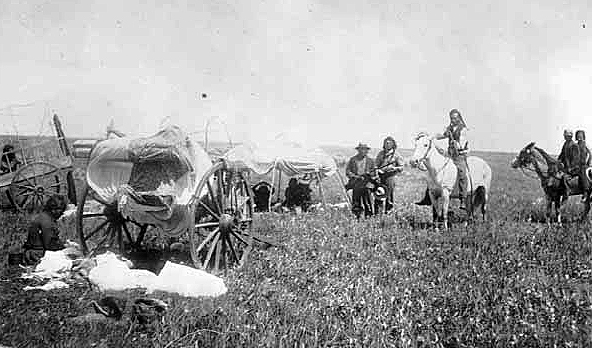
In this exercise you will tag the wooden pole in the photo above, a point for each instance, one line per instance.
(61, 137)
(321, 192)
(279, 185)
(342, 184)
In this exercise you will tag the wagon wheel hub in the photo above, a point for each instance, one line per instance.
(226, 222)
(113, 215)
(40, 190)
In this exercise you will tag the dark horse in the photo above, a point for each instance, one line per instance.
(551, 174)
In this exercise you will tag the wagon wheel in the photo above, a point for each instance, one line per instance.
(100, 226)
(33, 183)
(224, 215)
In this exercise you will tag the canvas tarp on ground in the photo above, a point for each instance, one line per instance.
(151, 178)
(290, 158)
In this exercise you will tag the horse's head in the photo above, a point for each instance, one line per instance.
(423, 145)
(525, 158)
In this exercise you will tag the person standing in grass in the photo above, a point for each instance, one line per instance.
(388, 164)
(43, 231)
(360, 171)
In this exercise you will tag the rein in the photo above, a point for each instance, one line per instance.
(425, 157)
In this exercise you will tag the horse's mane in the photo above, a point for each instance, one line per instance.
(548, 158)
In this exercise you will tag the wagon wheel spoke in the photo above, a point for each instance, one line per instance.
(119, 235)
(213, 197)
(24, 201)
(128, 234)
(28, 187)
(25, 192)
(217, 216)
(211, 251)
(29, 181)
(55, 185)
(207, 224)
(219, 246)
(90, 215)
(239, 237)
(96, 229)
(231, 247)
(141, 235)
(222, 188)
(102, 241)
(205, 241)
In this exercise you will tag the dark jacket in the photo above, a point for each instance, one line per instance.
(43, 233)
(351, 170)
(583, 156)
(567, 157)
(454, 135)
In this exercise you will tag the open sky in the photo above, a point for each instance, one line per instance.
(328, 72)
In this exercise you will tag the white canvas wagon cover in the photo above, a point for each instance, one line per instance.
(291, 158)
(150, 178)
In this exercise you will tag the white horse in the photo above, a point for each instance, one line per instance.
(442, 178)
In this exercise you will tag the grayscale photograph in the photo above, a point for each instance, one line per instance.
(313, 173)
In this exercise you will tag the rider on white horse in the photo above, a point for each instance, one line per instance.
(458, 148)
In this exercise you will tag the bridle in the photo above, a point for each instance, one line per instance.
(425, 156)
(524, 167)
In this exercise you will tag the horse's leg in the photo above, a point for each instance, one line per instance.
(558, 210)
(484, 205)
(435, 202)
(586, 208)
(390, 182)
(445, 205)
(549, 208)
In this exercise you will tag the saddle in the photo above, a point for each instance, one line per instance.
(562, 178)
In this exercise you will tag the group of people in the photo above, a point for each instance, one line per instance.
(365, 174)
(296, 196)
(575, 158)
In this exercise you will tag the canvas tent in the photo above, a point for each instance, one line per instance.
(151, 179)
(289, 158)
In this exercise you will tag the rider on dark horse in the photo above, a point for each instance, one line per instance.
(567, 158)
(360, 171)
(583, 161)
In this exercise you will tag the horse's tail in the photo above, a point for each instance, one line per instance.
(480, 196)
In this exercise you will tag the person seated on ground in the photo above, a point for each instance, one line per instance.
(297, 195)
(9, 163)
(43, 231)
(262, 192)
(360, 171)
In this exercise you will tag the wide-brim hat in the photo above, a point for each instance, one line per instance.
(362, 146)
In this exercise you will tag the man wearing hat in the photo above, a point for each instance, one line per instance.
(566, 155)
(567, 158)
(358, 169)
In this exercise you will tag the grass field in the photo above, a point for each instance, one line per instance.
(385, 281)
